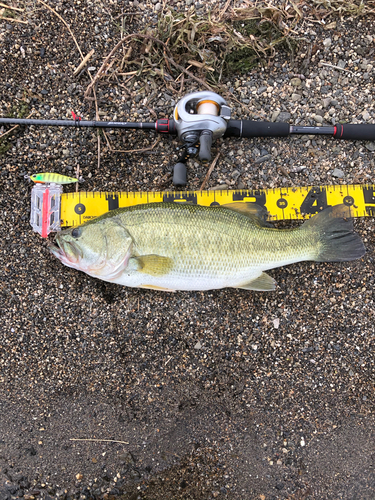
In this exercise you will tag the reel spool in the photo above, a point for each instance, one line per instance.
(207, 107)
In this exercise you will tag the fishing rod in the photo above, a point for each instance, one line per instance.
(202, 117)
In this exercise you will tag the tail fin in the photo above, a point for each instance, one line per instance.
(337, 242)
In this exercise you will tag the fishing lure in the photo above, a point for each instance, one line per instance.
(50, 177)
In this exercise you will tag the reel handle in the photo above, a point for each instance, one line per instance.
(179, 174)
(205, 140)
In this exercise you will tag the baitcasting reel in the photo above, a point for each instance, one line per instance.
(199, 118)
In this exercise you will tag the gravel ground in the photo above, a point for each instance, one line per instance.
(110, 392)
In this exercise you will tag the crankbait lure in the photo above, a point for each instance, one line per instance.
(50, 177)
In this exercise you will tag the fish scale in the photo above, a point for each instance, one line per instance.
(215, 238)
(205, 243)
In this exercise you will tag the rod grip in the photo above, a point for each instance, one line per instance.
(355, 132)
(248, 128)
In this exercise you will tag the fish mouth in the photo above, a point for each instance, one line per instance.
(66, 252)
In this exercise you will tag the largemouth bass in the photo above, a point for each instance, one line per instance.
(172, 246)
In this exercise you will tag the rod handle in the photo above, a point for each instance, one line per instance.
(248, 128)
(355, 132)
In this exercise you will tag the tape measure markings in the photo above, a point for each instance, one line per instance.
(282, 203)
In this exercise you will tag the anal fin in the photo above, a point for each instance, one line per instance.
(155, 287)
(263, 283)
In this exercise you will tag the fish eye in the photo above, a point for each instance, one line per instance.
(76, 232)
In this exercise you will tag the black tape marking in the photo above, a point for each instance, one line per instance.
(369, 195)
(282, 203)
(260, 197)
(113, 202)
(172, 197)
(315, 201)
(348, 201)
(80, 208)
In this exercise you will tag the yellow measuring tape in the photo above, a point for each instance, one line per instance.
(282, 203)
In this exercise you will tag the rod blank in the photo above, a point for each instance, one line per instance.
(76, 123)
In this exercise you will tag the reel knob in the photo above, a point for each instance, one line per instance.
(179, 174)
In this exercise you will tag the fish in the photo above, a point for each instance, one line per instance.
(50, 177)
(176, 246)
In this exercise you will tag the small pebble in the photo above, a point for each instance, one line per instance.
(296, 82)
(338, 173)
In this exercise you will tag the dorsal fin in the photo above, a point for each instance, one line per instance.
(252, 210)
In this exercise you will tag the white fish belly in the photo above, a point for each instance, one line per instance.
(194, 281)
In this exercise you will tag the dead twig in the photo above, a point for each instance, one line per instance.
(13, 128)
(286, 173)
(209, 172)
(231, 97)
(107, 140)
(224, 9)
(183, 70)
(128, 14)
(182, 83)
(99, 440)
(168, 57)
(11, 19)
(11, 8)
(98, 131)
(164, 181)
(128, 73)
(136, 150)
(333, 66)
(65, 23)
(77, 176)
(83, 62)
(152, 111)
(105, 62)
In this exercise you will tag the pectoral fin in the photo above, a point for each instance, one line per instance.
(264, 283)
(154, 265)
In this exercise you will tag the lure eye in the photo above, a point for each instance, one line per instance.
(76, 232)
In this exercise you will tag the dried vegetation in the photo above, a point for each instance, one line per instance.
(228, 41)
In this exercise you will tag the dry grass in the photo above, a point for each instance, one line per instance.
(220, 44)
(346, 7)
(228, 41)
(10, 13)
